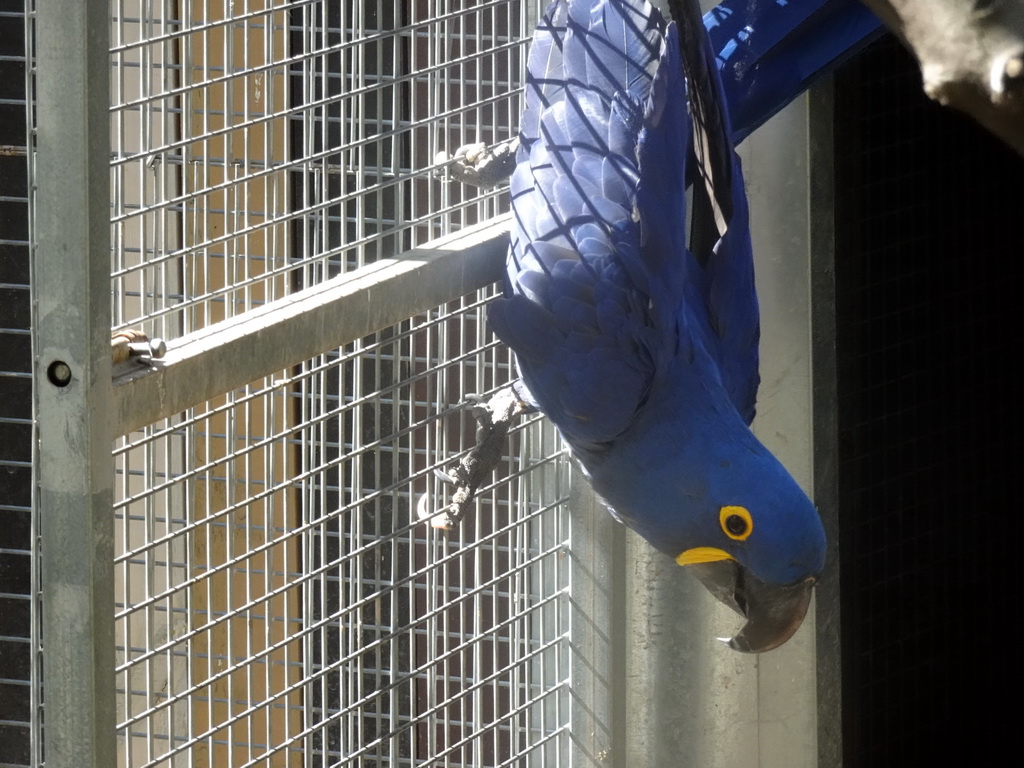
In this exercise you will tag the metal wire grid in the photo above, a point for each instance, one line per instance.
(18, 641)
(204, 558)
(479, 612)
(280, 602)
(237, 127)
(383, 87)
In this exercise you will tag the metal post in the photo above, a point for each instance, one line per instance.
(776, 163)
(685, 692)
(826, 418)
(598, 638)
(71, 332)
(690, 700)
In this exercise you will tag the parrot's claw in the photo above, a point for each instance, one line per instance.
(494, 418)
(478, 164)
(444, 477)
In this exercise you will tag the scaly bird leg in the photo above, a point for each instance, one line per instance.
(494, 418)
(478, 164)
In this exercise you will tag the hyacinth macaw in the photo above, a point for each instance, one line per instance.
(641, 348)
(642, 351)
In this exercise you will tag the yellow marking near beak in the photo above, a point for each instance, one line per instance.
(703, 555)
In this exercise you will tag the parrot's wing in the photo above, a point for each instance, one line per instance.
(720, 228)
(769, 52)
(595, 264)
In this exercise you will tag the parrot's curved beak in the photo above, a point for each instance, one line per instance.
(773, 613)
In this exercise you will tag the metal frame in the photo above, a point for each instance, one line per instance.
(71, 331)
(641, 631)
(232, 353)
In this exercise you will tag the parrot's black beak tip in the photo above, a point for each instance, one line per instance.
(742, 644)
(773, 613)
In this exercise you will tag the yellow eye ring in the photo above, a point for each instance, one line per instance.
(736, 522)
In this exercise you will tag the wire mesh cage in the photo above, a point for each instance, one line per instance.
(279, 600)
(269, 587)
(252, 139)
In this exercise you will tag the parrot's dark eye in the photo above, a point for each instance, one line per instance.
(736, 522)
(735, 525)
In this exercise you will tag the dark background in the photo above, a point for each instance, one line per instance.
(929, 279)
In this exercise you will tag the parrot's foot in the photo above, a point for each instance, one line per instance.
(494, 417)
(478, 164)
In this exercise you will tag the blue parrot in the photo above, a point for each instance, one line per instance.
(641, 350)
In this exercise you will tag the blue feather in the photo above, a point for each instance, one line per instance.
(642, 351)
(770, 51)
